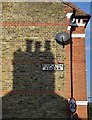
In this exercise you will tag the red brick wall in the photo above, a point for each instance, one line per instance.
(79, 71)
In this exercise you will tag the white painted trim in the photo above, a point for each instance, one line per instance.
(78, 35)
(81, 102)
(76, 20)
(73, 20)
(80, 24)
(81, 20)
(69, 28)
(69, 15)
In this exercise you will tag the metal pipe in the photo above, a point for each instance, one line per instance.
(71, 72)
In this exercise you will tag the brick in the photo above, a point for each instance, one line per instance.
(28, 41)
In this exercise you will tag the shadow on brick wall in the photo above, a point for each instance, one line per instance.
(33, 93)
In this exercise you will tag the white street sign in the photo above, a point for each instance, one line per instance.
(51, 67)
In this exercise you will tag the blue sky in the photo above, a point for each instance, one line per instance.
(85, 6)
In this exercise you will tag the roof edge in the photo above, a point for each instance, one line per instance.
(79, 11)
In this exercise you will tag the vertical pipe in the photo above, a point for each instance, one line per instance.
(71, 72)
(71, 75)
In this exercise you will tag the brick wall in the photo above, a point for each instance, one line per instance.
(28, 41)
(79, 71)
(27, 90)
